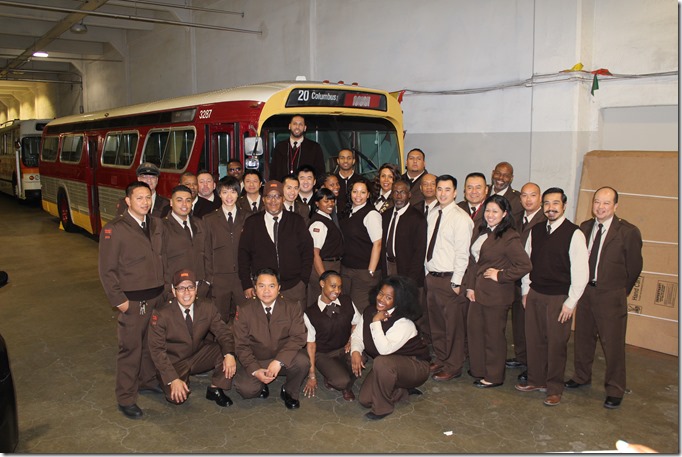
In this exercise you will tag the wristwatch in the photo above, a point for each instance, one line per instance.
(453, 285)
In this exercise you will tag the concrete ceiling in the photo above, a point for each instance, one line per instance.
(27, 26)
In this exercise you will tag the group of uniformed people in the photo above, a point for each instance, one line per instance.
(316, 273)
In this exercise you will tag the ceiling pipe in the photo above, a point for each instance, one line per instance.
(184, 7)
(128, 17)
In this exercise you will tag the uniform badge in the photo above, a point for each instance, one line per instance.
(155, 318)
(316, 230)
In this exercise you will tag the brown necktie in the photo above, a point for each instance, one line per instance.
(185, 227)
(275, 229)
(594, 252)
(432, 243)
(188, 322)
(268, 310)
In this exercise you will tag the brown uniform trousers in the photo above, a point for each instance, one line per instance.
(387, 382)
(130, 265)
(220, 260)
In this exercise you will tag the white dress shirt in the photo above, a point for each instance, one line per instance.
(605, 229)
(270, 223)
(322, 305)
(396, 215)
(386, 343)
(451, 251)
(372, 222)
(318, 231)
(181, 222)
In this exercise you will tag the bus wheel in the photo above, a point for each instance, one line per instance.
(64, 214)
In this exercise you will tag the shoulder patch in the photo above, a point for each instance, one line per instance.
(316, 230)
(155, 318)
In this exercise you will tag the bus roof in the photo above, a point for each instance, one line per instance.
(252, 92)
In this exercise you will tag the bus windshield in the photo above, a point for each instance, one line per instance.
(374, 140)
(30, 150)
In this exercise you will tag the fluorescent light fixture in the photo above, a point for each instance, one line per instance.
(40, 54)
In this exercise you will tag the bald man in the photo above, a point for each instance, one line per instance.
(502, 177)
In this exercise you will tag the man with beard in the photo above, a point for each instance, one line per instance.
(208, 199)
(550, 294)
(296, 151)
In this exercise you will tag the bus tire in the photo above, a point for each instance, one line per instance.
(64, 213)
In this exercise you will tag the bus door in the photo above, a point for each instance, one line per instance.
(91, 182)
(223, 147)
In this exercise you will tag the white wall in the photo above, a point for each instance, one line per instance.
(436, 46)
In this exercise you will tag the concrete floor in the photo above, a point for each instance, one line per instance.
(62, 343)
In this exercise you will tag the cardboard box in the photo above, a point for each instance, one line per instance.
(647, 184)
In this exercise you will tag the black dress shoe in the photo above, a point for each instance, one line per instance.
(289, 402)
(612, 402)
(478, 383)
(216, 394)
(132, 411)
(414, 391)
(523, 376)
(264, 392)
(513, 363)
(571, 384)
(375, 417)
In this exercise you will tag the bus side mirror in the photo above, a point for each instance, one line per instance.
(253, 146)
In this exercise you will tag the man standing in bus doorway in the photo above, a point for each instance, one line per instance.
(131, 272)
(208, 200)
(416, 168)
(290, 154)
(280, 240)
(148, 173)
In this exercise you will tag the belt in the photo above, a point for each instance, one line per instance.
(331, 259)
(592, 283)
(440, 274)
(390, 259)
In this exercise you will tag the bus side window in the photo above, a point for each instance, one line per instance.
(50, 146)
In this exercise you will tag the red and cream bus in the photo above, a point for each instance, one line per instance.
(19, 151)
(88, 160)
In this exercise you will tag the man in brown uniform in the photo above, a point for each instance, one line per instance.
(131, 272)
(415, 163)
(615, 249)
(148, 173)
(183, 241)
(475, 193)
(223, 230)
(502, 177)
(179, 348)
(270, 336)
(531, 200)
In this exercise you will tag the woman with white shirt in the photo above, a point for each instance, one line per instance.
(387, 333)
(497, 261)
(362, 233)
(382, 187)
(327, 240)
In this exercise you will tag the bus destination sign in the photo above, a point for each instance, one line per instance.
(333, 97)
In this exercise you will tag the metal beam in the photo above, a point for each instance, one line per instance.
(52, 34)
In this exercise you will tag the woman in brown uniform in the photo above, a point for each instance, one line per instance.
(497, 260)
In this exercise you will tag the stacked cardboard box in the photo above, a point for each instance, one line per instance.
(647, 184)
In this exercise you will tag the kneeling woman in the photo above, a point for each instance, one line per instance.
(387, 333)
(497, 260)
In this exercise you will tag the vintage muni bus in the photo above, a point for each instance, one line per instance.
(88, 160)
(19, 151)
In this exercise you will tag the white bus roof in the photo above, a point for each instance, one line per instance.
(254, 92)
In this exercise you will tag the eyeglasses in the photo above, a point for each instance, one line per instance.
(273, 197)
(188, 288)
(235, 169)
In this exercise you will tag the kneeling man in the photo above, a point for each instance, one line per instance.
(179, 347)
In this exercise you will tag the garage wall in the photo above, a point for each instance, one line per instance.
(543, 127)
